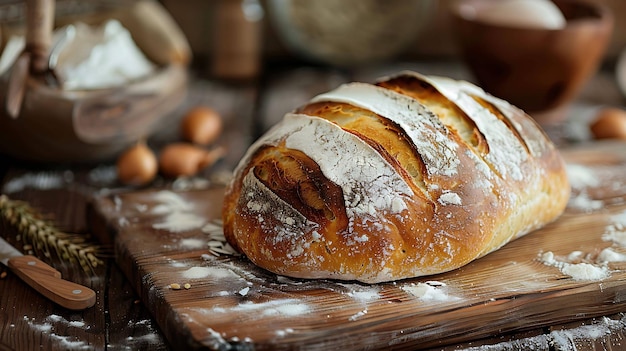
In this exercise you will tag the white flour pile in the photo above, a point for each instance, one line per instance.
(89, 57)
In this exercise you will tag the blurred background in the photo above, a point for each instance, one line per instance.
(207, 23)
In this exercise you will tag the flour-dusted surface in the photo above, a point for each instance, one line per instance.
(231, 302)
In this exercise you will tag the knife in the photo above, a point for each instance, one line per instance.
(45, 279)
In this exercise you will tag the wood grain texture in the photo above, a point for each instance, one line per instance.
(232, 302)
(29, 321)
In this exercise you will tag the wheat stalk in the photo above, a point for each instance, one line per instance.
(44, 238)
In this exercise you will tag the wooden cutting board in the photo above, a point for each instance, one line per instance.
(536, 280)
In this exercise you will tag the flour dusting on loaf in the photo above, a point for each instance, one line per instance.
(410, 176)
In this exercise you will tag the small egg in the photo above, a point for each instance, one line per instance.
(539, 14)
(137, 165)
(610, 123)
(201, 125)
(184, 159)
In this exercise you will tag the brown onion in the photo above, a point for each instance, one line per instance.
(183, 159)
(610, 123)
(137, 165)
(201, 125)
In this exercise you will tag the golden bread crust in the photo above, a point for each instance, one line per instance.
(412, 176)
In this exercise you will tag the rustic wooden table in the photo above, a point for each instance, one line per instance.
(119, 320)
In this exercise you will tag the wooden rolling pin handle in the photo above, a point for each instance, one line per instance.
(39, 26)
(47, 281)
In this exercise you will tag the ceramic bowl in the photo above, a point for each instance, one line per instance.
(538, 70)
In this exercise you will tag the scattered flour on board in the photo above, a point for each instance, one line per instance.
(204, 272)
(362, 293)
(193, 243)
(578, 271)
(564, 339)
(429, 291)
(216, 273)
(280, 307)
(357, 315)
(581, 267)
(179, 213)
(581, 178)
(616, 230)
(66, 342)
(244, 291)
(38, 181)
(284, 332)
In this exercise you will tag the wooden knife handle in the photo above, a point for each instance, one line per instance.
(47, 281)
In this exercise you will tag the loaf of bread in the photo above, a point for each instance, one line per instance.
(411, 176)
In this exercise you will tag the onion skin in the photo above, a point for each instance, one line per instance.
(201, 125)
(184, 159)
(610, 123)
(137, 166)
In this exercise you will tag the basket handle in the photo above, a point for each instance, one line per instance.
(39, 26)
(34, 60)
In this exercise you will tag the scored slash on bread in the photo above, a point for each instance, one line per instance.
(410, 176)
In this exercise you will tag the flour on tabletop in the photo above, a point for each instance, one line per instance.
(77, 324)
(585, 332)
(581, 176)
(47, 327)
(281, 307)
(141, 208)
(197, 272)
(205, 272)
(583, 202)
(38, 181)
(103, 175)
(610, 255)
(152, 338)
(177, 264)
(193, 243)
(357, 315)
(615, 231)
(582, 271)
(186, 183)
(362, 293)
(284, 332)
(562, 339)
(428, 292)
(178, 212)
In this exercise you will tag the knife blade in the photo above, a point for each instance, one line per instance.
(45, 279)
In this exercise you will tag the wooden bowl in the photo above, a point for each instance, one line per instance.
(537, 70)
(55, 125)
